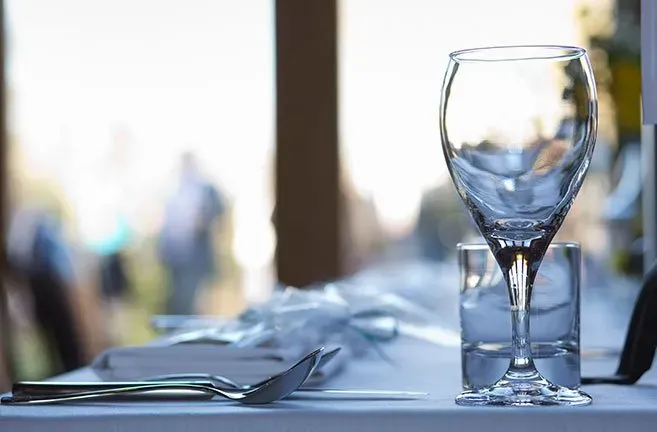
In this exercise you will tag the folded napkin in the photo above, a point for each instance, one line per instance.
(244, 365)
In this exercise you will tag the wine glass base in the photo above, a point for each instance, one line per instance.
(524, 395)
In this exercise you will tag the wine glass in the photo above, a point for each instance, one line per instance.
(518, 127)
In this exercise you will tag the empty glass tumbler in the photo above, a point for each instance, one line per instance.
(486, 321)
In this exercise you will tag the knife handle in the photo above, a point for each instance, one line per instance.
(53, 388)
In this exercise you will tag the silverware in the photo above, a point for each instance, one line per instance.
(41, 388)
(272, 390)
(220, 381)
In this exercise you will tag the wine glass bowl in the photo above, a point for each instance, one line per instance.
(518, 127)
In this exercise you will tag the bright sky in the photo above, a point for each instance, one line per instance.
(196, 74)
(199, 74)
(393, 58)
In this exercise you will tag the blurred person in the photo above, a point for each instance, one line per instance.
(106, 229)
(112, 275)
(185, 243)
(39, 261)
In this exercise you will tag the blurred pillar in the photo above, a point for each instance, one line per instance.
(649, 135)
(6, 370)
(307, 163)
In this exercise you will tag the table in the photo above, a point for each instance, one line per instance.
(420, 366)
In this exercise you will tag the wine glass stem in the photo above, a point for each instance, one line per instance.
(521, 348)
(520, 279)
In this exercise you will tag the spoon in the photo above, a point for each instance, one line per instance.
(273, 390)
(27, 388)
(219, 380)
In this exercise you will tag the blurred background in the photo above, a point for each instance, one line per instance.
(146, 153)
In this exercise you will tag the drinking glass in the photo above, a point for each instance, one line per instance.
(518, 127)
(485, 319)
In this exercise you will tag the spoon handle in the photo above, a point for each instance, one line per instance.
(41, 388)
(47, 398)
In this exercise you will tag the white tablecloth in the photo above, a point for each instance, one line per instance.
(421, 367)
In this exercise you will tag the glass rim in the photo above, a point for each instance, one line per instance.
(479, 246)
(505, 53)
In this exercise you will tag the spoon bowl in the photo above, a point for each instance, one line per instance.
(220, 381)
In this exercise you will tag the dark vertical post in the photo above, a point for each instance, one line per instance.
(6, 370)
(307, 162)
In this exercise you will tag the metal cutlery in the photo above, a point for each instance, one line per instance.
(55, 388)
(39, 388)
(272, 390)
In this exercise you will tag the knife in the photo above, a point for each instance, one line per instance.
(41, 388)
